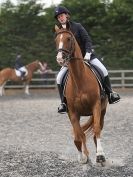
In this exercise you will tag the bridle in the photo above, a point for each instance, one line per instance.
(68, 54)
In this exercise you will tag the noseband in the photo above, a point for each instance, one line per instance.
(67, 53)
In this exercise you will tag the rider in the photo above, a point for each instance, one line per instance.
(62, 15)
(20, 66)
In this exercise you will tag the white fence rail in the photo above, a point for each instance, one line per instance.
(119, 79)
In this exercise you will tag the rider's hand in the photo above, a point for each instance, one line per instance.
(87, 56)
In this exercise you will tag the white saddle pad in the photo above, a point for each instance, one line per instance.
(18, 73)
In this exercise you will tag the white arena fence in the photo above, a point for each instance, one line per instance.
(119, 79)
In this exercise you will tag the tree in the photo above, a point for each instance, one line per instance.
(27, 29)
(119, 24)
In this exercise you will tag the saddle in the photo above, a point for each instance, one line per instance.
(98, 74)
(20, 73)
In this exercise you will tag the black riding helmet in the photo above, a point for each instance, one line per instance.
(60, 10)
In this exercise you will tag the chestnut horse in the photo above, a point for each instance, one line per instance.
(10, 74)
(82, 94)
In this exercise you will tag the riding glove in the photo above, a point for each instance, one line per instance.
(87, 56)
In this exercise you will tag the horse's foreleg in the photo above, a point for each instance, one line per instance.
(27, 89)
(2, 91)
(78, 145)
(101, 157)
(79, 139)
(80, 142)
(97, 131)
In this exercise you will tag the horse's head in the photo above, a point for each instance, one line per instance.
(65, 45)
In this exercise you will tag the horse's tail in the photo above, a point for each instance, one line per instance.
(87, 127)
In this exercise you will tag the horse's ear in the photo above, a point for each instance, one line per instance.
(56, 28)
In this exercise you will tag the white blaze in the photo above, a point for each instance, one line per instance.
(59, 55)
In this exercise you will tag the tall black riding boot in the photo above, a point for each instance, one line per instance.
(113, 97)
(62, 107)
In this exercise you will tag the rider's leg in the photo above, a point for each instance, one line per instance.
(23, 72)
(62, 107)
(113, 97)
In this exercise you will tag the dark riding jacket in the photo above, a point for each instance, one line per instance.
(18, 63)
(82, 38)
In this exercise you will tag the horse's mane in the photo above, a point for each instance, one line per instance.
(34, 62)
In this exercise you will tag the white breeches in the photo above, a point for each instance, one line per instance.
(95, 61)
(61, 74)
(23, 69)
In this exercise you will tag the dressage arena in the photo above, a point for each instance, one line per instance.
(36, 141)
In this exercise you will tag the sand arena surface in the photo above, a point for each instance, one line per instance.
(36, 141)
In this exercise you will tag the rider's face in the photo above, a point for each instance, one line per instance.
(62, 18)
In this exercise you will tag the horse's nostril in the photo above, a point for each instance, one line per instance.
(60, 61)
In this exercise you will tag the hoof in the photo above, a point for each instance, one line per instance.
(101, 160)
(89, 162)
(28, 94)
(83, 159)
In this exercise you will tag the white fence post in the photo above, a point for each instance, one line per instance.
(123, 79)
